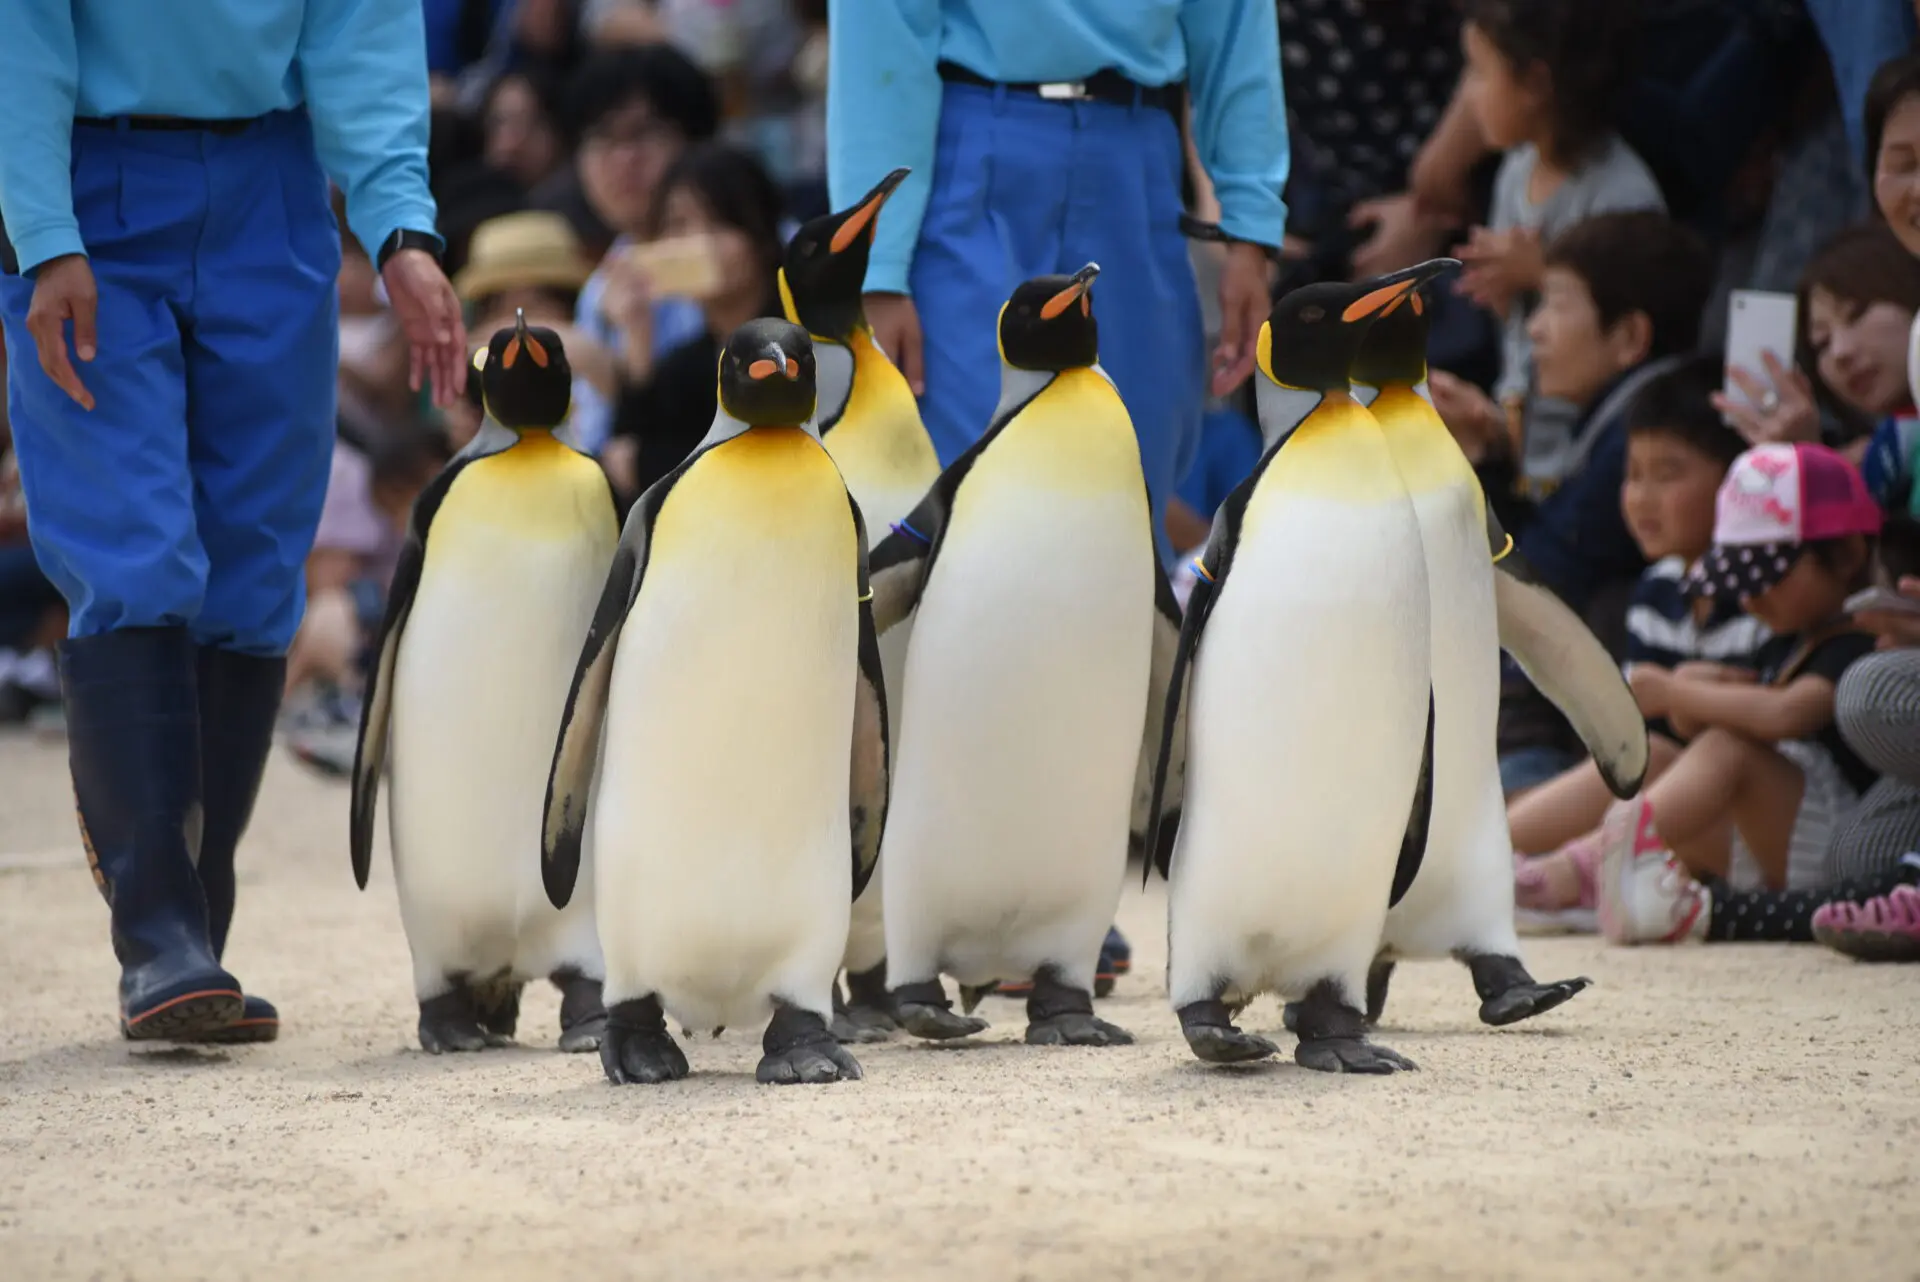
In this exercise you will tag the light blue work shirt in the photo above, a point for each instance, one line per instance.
(359, 66)
(883, 96)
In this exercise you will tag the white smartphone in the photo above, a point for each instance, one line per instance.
(1757, 321)
(1881, 599)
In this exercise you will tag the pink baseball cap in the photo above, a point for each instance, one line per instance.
(1774, 501)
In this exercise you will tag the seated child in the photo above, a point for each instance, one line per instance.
(1766, 776)
(1678, 452)
(1620, 305)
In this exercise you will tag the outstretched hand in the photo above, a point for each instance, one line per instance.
(429, 313)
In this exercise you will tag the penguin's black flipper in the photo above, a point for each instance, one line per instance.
(870, 782)
(1567, 663)
(1167, 621)
(370, 752)
(578, 747)
(1413, 846)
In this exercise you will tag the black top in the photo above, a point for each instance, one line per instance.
(670, 413)
(1829, 658)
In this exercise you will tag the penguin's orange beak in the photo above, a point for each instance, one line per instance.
(1390, 290)
(864, 213)
(1076, 289)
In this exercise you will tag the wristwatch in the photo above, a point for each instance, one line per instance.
(1194, 229)
(406, 239)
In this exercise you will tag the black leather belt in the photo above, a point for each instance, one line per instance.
(1105, 85)
(175, 124)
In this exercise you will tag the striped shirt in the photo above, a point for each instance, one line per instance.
(1662, 630)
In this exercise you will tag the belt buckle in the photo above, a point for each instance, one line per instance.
(1064, 90)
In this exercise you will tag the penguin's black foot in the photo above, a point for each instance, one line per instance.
(1379, 976)
(583, 1019)
(448, 1024)
(1290, 1017)
(1528, 1000)
(865, 1014)
(636, 1046)
(1349, 1055)
(802, 1050)
(924, 1010)
(496, 1006)
(1059, 1014)
(1211, 1036)
(1332, 1035)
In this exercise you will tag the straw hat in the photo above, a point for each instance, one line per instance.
(529, 249)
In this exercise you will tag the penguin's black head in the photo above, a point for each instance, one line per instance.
(1394, 350)
(825, 269)
(526, 380)
(766, 374)
(1048, 323)
(1313, 334)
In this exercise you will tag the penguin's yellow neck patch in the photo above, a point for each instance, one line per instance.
(791, 312)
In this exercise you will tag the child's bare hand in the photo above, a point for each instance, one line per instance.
(1651, 685)
(1500, 266)
(1722, 673)
(1468, 412)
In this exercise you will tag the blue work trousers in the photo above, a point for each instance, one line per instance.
(1024, 186)
(190, 493)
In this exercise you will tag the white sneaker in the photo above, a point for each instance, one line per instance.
(1647, 896)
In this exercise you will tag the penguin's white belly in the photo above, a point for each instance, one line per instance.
(1466, 874)
(724, 849)
(1006, 842)
(1306, 728)
(480, 686)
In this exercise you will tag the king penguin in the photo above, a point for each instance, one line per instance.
(870, 423)
(1304, 664)
(1461, 903)
(1044, 621)
(733, 670)
(503, 561)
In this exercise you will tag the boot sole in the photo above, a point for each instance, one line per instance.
(187, 1018)
(243, 1032)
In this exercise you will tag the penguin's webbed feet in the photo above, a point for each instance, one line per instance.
(1508, 994)
(636, 1047)
(583, 1017)
(1333, 1036)
(865, 1014)
(802, 1050)
(1211, 1036)
(924, 1010)
(448, 1024)
(1059, 1014)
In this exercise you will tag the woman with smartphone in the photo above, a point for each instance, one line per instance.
(713, 237)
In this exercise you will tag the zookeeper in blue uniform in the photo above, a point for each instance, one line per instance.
(1044, 135)
(170, 307)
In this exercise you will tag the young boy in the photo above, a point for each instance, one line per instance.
(1620, 303)
(1678, 453)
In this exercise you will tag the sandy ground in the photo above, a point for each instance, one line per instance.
(1741, 1112)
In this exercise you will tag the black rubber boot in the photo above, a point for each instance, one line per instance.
(133, 744)
(239, 705)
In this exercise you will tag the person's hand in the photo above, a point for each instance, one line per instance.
(896, 327)
(1897, 629)
(1401, 237)
(1786, 410)
(1652, 686)
(1245, 299)
(429, 313)
(620, 457)
(63, 290)
(1717, 673)
(1500, 266)
(1469, 413)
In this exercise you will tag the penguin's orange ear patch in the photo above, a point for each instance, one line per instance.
(761, 369)
(538, 352)
(1086, 305)
(512, 354)
(793, 368)
(1388, 311)
(1418, 306)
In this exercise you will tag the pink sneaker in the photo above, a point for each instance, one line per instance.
(1646, 896)
(1882, 929)
(1534, 882)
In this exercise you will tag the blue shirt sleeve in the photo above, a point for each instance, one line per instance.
(883, 111)
(1239, 112)
(39, 75)
(363, 68)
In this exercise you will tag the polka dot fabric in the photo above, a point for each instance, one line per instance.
(1740, 572)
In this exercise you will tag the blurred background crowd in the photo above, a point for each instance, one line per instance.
(626, 171)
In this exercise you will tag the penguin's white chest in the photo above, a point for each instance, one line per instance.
(514, 566)
(1027, 684)
(723, 843)
(1307, 721)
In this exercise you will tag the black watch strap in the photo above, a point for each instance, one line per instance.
(405, 239)
(1194, 229)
